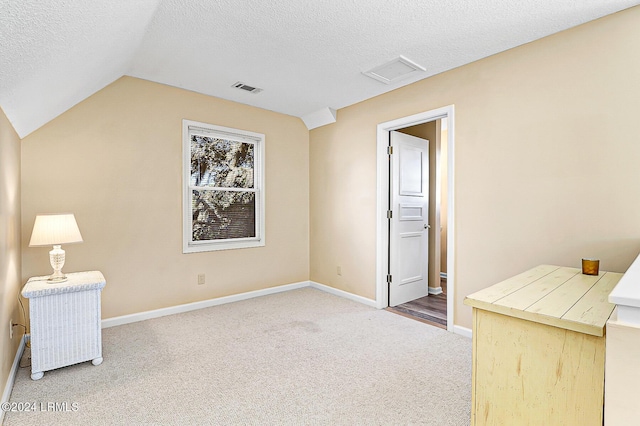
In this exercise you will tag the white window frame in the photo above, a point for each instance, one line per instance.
(190, 127)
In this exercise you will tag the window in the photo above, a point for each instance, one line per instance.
(223, 178)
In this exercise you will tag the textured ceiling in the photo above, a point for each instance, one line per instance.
(306, 55)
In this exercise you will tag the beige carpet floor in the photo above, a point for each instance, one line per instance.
(302, 357)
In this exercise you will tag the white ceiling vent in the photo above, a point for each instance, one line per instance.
(246, 87)
(394, 70)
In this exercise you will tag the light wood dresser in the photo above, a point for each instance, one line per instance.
(539, 348)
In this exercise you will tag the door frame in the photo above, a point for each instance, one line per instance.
(382, 199)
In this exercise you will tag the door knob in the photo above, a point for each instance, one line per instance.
(426, 226)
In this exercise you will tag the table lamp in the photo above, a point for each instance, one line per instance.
(55, 229)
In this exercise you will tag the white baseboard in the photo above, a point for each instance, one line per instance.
(157, 313)
(463, 331)
(346, 295)
(435, 290)
(6, 394)
(443, 275)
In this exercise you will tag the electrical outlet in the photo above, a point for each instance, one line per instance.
(339, 270)
(10, 329)
(200, 279)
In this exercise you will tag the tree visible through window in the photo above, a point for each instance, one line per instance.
(223, 190)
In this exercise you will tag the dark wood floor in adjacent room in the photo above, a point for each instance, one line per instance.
(431, 309)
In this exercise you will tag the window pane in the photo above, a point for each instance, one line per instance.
(221, 215)
(221, 163)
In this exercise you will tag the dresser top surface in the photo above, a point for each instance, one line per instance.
(554, 295)
(76, 281)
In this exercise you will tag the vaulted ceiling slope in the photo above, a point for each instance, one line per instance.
(306, 55)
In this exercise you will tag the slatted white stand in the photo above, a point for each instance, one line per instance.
(65, 321)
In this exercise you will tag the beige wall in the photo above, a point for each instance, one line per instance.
(115, 161)
(342, 204)
(10, 261)
(546, 162)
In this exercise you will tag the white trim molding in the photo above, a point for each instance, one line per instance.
(344, 294)
(6, 394)
(178, 309)
(435, 290)
(463, 331)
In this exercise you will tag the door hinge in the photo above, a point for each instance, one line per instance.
(389, 278)
(390, 150)
(389, 214)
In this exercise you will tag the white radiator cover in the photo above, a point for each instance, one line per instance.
(65, 321)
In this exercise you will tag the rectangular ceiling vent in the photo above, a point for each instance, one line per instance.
(394, 70)
(246, 87)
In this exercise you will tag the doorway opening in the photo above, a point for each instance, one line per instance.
(438, 306)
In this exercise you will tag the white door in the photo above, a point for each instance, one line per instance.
(409, 223)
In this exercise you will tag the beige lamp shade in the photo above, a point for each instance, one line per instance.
(55, 229)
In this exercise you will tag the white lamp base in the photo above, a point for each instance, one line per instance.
(57, 258)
